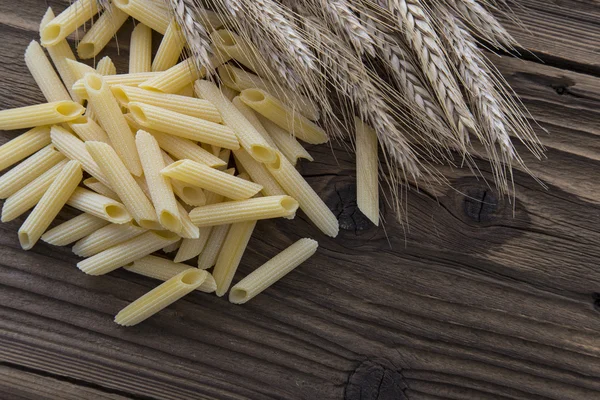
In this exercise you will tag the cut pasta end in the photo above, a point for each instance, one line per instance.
(263, 154)
(169, 168)
(120, 94)
(289, 204)
(253, 96)
(50, 34)
(69, 109)
(170, 221)
(138, 113)
(149, 224)
(166, 234)
(86, 50)
(117, 213)
(193, 196)
(238, 296)
(25, 240)
(193, 277)
(93, 82)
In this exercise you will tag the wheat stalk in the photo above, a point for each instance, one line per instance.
(188, 17)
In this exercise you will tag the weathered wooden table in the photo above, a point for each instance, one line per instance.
(467, 301)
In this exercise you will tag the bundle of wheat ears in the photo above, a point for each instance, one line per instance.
(414, 70)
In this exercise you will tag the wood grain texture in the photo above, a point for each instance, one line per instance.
(473, 298)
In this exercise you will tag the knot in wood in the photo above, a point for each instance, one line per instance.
(480, 204)
(342, 201)
(376, 381)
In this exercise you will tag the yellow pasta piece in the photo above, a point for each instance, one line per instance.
(68, 21)
(124, 253)
(56, 112)
(285, 141)
(244, 210)
(259, 173)
(152, 13)
(28, 170)
(23, 146)
(73, 229)
(213, 246)
(182, 125)
(101, 32)
(161, 297)
(188, 229)
(124, 184)
(250, 139)
(118, 79)
(88, 129)
(193, 107)
(294, 184)
(50, 204)
(100, 206)
(274, 110)
(106, 66)
(211, 179)
(367, 164)
(29, 195)
(251, 116)
(170, 48)
(187, 92)
(163, 269)
(172, 247)
(272, 271)
(105, 238)
(44, 75)
(140, 49)
(242, 51)
(111, 119)
(231, 254)
(189, 194)
(190, 248)
(229, 93)
(100, 188)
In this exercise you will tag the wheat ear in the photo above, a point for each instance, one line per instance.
(187, 16)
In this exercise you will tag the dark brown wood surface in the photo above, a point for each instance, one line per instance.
(473, 298)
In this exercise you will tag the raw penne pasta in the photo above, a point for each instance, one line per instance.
(68, 21)
(250, 139)
(140, 49)
(285, 141)
(23, 146)
(242, 51)
(100, 206)
(56, 112)
(161, 297)
(28, 170)
(161, 192)
(124, 185)
(272, 271)
(118, 79)
(193, 107)
(191, 195)
(187, 91)
(224, 155)
(211, 179)
(105, 238)
(129, 251)
(44, 75)
(29, 195)
(50, 204)
(106, 67)
(210, 19)
(294, 184)
(79, 69)
(163, 269)
(213, 246)
(151, 13)
(238, 79)
(190, 248)
(244, 210)
(73, 229)
(182, 125)
(229, 93)
(274, 110)
(367, 164)
(188, 229)
(231, 254)
(251, 116)
(259, 173)
(101, 32)
(100, 188)
(172, 247)
(170, 48)
(88, 129)
(111, 119)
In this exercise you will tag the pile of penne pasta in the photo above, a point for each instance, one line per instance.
(152, 149)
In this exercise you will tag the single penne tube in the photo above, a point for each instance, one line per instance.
(239, 79)
(190, 248)
(242, 51)
(294, 184)
(118, 79)
(100, 188)
(161, 191)
(68, 21)
(161, 297)
(250, 139)
(151, 13)
(29, 195)
(182, 125)
(211, 179)
(99, 206)
(231, 254)
(106, 67)
(244, 210)
(79, 69)
(28, 170)
(101, 32)
(188, 229)
(111, 119)
(170, 48)
(163, 269)
(73, 229)
(105, 238)
(252, 117)
(367, 164)
(172, 247)
(274, 110)
(44, 75)
(50, 204)
(56, 112)
(285, 141)
(193, 107)
(126, 252)
(88, 129)
(124, 185)
(258, 173)
(23, 146)
(212, 249)
(140, 49)
(272, 271)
